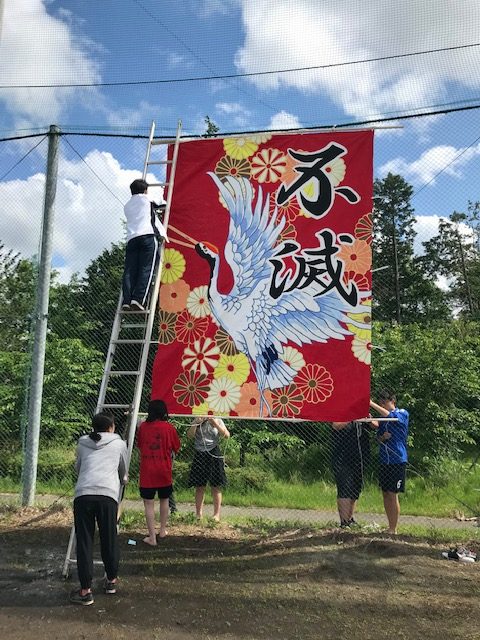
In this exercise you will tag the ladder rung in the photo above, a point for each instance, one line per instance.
(158, 184)
(124, 373)
(110, 405)
(133, 326)
(129, 341)
(159, 162)
(158, 141)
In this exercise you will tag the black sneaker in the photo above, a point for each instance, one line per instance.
(125, 307)
(85, 600)
(136, 306)
(110, 587)
(344, 524)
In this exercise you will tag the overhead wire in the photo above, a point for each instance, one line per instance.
(23, 157)
(229, 76)
(92, 170)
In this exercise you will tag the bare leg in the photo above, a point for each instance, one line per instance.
(199, 496)
(150, 518)
(164, 507)
(344, 509)
(392, 509)
(352, 508)
(217, 502)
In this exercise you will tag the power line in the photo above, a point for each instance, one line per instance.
(94, 173)
(22, 158)
(236, 75)
(452, 161)
(344, 125)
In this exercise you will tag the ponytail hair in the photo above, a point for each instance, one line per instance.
(101, 422)
(157, 410)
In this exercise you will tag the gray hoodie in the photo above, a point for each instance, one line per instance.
(101, 466)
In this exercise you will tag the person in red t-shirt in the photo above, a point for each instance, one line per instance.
(157, 440)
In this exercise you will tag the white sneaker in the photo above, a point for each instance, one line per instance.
(136, 306)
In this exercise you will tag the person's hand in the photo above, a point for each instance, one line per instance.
(385, 436)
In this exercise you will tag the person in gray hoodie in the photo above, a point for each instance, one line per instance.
(101, 465)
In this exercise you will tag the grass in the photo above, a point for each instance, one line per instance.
(451, 496)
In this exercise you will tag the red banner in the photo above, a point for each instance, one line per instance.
(266, 279)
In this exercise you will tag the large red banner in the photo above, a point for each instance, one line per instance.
(265, 294)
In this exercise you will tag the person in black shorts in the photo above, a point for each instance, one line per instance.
(350, 456)
(392, 438)
(208, 463)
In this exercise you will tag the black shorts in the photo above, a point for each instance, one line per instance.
(207, 468)
(348, 478)
(148, 493)
(391, 477)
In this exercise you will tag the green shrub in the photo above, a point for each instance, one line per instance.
(246, 479)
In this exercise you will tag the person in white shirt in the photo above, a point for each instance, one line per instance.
(144, 236)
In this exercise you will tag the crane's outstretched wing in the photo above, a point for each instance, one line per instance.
(251, 236)
(297, 317)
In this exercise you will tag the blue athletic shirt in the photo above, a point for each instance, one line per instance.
(394, 450)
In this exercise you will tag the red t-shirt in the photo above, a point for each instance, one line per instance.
(156, 441)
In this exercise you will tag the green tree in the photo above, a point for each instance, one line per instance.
(454, 254)
(211, 128)
(436, 374)
(402, 290)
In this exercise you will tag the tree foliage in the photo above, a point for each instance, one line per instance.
(403, 290)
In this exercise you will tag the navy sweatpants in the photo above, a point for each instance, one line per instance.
(141, 258)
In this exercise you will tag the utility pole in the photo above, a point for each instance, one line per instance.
(30, 460)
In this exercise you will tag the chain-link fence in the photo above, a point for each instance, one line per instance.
(425, 346)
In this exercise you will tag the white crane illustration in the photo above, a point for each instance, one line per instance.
(258, 324)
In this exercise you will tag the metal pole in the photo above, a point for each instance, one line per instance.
(30, 461)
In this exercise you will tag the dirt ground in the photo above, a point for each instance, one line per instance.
(226, 582)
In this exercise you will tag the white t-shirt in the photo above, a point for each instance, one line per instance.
(139, 218)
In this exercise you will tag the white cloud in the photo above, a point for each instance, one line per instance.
(442, 158)
(88, 214)
(129, 118)
(284, 120)
(304, 34)
(38, 48)
(426, 228)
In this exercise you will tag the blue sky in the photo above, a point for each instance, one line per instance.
(106, 41)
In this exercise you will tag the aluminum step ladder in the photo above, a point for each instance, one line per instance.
(138, 327)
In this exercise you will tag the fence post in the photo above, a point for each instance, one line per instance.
(30, 460)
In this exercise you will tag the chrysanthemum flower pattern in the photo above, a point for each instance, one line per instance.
(197, 302)
(173, 297)
(225, 343)
(239, 148)
(364, 227)
(362, 350)
(173, 266)
(166, 327)
(268, 165)
(356, 257)
(233, 167)
(188, 329)
(315, 383)
(191, 388)
(235, 367)
(249, 405)
(286, 401)
(293, 357)
(224, 395)
(365, 317)
(201, 356)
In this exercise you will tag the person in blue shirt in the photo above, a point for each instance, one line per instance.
(392, 437)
